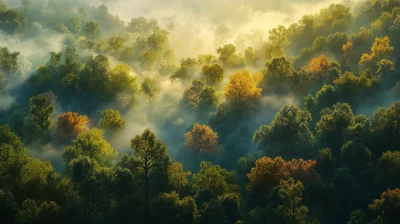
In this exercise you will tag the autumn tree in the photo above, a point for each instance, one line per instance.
(266, 175)
(213, 74)
(40, 112)
(381, 49)
(151, 154)
(319, 66)
(112, 121)
(202, 139)
(93, 145)
(150, 89)
(386, 209)
(70, 124)
(242, 89)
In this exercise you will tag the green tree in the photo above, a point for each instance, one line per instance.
(93, 145)
(213, 74)
(355, 156)
(167, 207)
(40, 112)
(219, 180)
(277, 74)
(289, 134)
(28, 212)
(9, 61)
(8, 207)
(92, 29)
(49, 213)
(291, 193)
(150, 89)
(385, 68)
(112, 121)
(75, 24)
(151, 154)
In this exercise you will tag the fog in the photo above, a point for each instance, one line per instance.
(195, 27)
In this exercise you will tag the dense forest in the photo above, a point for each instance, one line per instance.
(108, 120)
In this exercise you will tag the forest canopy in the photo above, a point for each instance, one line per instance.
(203, 112)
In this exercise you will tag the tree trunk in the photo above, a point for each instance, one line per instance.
(146, 184)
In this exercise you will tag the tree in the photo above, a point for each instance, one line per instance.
(331, 127)
(213, 74)
(92, 29)
(266, 175)
(150, 89)
(8, 207)
(199, 97)
(355, 155)
(167, 207)
(122, 81)
(215, 178)
(291, 193)
(40, 112)
(288, 136)
(93, 145)
(252, 56)
(278, 38)
(226, 52)
(28, 212)
(112, 121)
(76, 24)
(387, 208)
(148, 59)
(277, 74)
(385, 68)
(357, 217)
(9, 61)
(319, 66)
(202, 139)
(151, 154)
(325, 162)
(49, 213)
(70, 124)
(96, 74)
(231, 203)
(336, 41)
(381, 49)
(242, 89)
(388, 169)
(177, 177)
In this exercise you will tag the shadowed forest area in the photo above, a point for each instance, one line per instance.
(203, 111)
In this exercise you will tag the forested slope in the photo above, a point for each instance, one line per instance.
(114, 127)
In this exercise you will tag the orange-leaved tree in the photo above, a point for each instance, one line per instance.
(70, 124)
(202, 139)
(319, 66)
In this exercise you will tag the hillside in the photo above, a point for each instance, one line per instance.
(200, 112)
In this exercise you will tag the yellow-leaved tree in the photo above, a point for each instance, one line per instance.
(242, 89)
